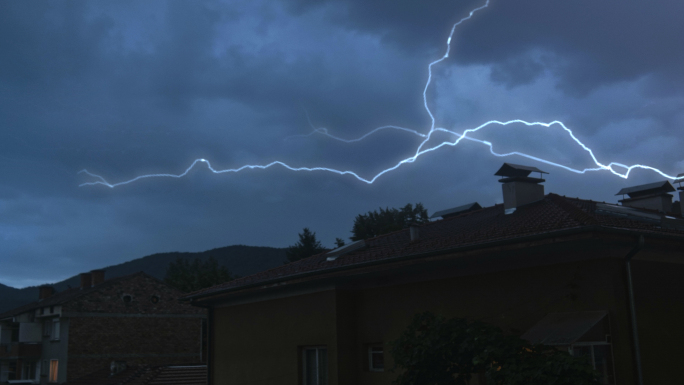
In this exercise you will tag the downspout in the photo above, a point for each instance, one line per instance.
(210, 345)
(630, 289)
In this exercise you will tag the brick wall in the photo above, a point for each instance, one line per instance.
(137, 319)
(96, 341)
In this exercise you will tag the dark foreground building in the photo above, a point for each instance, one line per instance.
(598, 279)
(135, 319)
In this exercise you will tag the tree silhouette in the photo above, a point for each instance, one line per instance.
(305, 247)
(189, 276)
(387, 220)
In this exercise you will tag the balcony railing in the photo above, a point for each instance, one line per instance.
(20, 350)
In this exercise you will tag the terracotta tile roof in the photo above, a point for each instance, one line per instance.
(473, 229)
(180, 375)
(194, 374)
(103, 377)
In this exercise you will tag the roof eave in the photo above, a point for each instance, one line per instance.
(592, 228)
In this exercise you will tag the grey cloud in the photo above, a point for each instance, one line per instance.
(130, 88)
(603, 42)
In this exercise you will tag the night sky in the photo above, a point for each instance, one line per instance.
(129, 88)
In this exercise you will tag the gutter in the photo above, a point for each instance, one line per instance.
(275, 281)
(632, 309)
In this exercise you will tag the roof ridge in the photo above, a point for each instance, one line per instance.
(577, 213)
(69, 294)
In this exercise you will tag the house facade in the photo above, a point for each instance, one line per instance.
(135, 319)
(601, 280)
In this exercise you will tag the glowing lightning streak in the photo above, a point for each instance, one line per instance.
(446, 55)
(419, 152)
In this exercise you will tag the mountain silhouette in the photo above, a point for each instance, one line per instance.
(240, 260)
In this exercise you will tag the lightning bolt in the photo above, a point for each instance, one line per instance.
(420, 151)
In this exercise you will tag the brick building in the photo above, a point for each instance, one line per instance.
(65, 335)
(598, 279)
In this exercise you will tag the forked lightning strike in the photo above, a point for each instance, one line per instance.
(419, 151)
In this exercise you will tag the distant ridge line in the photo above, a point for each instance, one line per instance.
(240, 260)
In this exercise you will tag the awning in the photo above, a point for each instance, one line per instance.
(563, 328)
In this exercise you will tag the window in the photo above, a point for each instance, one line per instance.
(55, 329)
(54, 364)
(47, 327)
(376, 358)
(14, 333)
(12, 370)
(44, 368)
(28, 371)
(600, 357)
(315, 366)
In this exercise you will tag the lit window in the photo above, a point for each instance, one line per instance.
(55, 329)
(54, 364)
(315, 366)
(376, 359)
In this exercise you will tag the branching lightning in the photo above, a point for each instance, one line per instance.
(458, 137)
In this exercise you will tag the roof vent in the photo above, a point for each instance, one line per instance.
(518, 188)
(653, 196)
(414, 231)
(456, 210)
(333, 254)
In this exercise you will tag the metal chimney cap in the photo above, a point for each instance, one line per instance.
(456, 210)
(516, 170)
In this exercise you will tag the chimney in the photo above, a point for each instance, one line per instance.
(518, 188)
(45, 291)
(652, 196)
(85, 280)
(98, 276)
(414, 230)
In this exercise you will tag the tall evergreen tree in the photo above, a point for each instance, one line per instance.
(306, 247)
(387, 220)
(189, 276)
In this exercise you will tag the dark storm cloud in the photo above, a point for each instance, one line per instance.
(131, 88)
(595, 42)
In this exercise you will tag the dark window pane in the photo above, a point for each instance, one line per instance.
(603, 363)
(323, 366)
(377, 358)
(582, 351)
(310, 367)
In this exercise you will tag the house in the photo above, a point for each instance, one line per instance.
(598, 279)
(65, 335)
